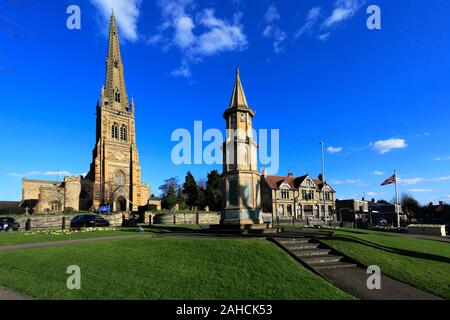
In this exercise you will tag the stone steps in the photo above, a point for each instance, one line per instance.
(333, 265)
(302, 247)
(312, 254)
(321, 259)
(293, 241)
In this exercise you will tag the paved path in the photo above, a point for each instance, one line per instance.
(7, 294)
(354, 281)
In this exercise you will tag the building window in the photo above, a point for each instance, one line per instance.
(55, 207)
(123, 133)
(289, 210)
(117, 96)
(308, 194)
(119, 178)
(308, 210)
(284, 194)
(115, 131)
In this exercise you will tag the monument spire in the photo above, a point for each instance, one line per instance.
(238, 98)
(115, 92)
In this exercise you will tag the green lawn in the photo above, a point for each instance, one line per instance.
(165, 268)
(11, 238)
(424, 264)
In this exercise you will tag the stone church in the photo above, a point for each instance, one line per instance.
(115, 174)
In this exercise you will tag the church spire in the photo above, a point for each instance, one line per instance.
(238, 98)
(115, 93)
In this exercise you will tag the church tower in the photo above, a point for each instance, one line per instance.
(115, 173)
(241, 198)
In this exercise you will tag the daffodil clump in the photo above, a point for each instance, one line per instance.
(67, 231)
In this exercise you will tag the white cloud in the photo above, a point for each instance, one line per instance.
(324, 37)
(348, 181)
(413, 181)
(440, 179)
(272, 30)
(420, 190)
(442, 158)
(343, 10)
(378, 173)
(127, 14)
(311, 19)
(196, 38)
(372, 194)
(410, 181)
(384, 146)
(272, 14)
(332, 149)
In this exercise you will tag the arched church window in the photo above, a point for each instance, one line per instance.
(119, 178)
(123, 133)
(115, 131)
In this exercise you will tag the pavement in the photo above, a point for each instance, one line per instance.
(354, 281)
(7, 294)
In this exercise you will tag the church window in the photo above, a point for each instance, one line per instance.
(242, 117)
(123, 133)
(119, 178)
(117, 96)
(115, 131)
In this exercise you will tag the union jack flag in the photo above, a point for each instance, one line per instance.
(390, 180)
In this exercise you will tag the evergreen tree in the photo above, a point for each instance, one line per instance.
(169, 191)
(170, 199)
(181, 199)
(191, 190)
(213, 193)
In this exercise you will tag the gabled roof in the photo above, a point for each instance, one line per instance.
(274, 182)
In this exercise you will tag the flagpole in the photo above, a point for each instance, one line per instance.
(396, 200)
(323, 181)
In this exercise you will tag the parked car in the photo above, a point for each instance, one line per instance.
(88, 221)
(8, 225)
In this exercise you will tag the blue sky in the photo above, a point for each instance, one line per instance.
(380, 99)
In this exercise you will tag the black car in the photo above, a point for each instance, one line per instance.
(88, 221)
(9, 225)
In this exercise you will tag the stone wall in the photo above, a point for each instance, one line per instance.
(60, 221)
(187, 218)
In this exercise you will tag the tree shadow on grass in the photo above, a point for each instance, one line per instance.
(402, 252)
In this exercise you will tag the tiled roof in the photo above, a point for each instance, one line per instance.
(274, 182)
